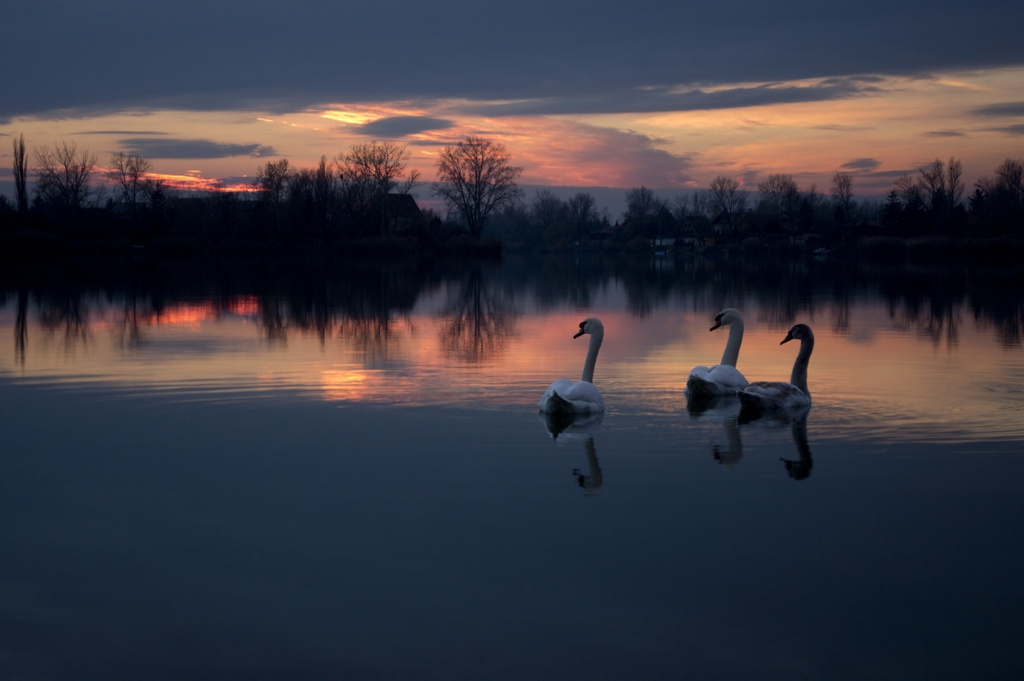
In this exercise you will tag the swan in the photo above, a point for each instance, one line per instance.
(724, 378)
(773, 396)
(578, 397)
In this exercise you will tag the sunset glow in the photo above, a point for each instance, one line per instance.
(893, 127)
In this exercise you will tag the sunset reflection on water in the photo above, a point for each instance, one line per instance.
(870, 370)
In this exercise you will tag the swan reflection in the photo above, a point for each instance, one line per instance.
(800, 468)
(571, 428)
(592, 480)
(725, 409)
(733, 417)
(732, 452)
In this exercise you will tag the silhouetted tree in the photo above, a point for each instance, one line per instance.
(476, 177)
(129, 172)
(1010, 189)
(700, 203)
(728, 201)
(642, 208)
(324, 188)
(546, 209)
(842, 201)
(892, 212)
(62, 181)
(21, 175)
(272, 181)
(780, 197)
(581, 214)
(373, 171)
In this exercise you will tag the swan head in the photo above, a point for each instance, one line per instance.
(727, 316)
(591, 325)
(798, 332)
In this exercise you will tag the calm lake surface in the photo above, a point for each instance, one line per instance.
(337, 471)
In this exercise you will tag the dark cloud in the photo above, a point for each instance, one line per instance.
(1013, 129)
(1004, 109)
(651, 99)
(400, 126)
(179, 148)
(943, 133)
(862, 164)
(139, 55)
(122, 133)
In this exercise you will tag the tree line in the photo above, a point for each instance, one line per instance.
(360, 195)
(363, 194)
(932, 203)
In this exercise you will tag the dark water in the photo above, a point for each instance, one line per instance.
(274, 470)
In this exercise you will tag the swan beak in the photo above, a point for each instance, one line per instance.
(579, 333)
(717, 324)
(789, 337)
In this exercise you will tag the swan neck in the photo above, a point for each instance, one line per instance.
(803, 358)
(732, 347)
(588, 366)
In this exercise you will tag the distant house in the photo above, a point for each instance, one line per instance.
(403, 212)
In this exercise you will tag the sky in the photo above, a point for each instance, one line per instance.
(667, 95)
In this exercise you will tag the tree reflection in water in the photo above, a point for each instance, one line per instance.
(478, 320)
(363, 299)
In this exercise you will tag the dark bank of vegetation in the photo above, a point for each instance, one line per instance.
(361, 204)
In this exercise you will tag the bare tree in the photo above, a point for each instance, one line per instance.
(547, 210)
(955, 181)
(21, 174)
(842, 195)
(700, 203)
(1011, 182)
(62, 180)
(641, 205)
(933, 185)
(727, 199)
(475, 177)
(779, 195)
(129, 172)
(324, 186)
(272, 180)
(581, 213)
(311, 192)
(375, 170)
(643, 211)
(680, 208)
(909, 191)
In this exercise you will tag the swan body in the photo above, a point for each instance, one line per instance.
(774, 396)
(565, 396)
(724, 378)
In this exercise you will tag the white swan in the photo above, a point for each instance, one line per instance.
(578, 397)
(724, 378)
(773, 396)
